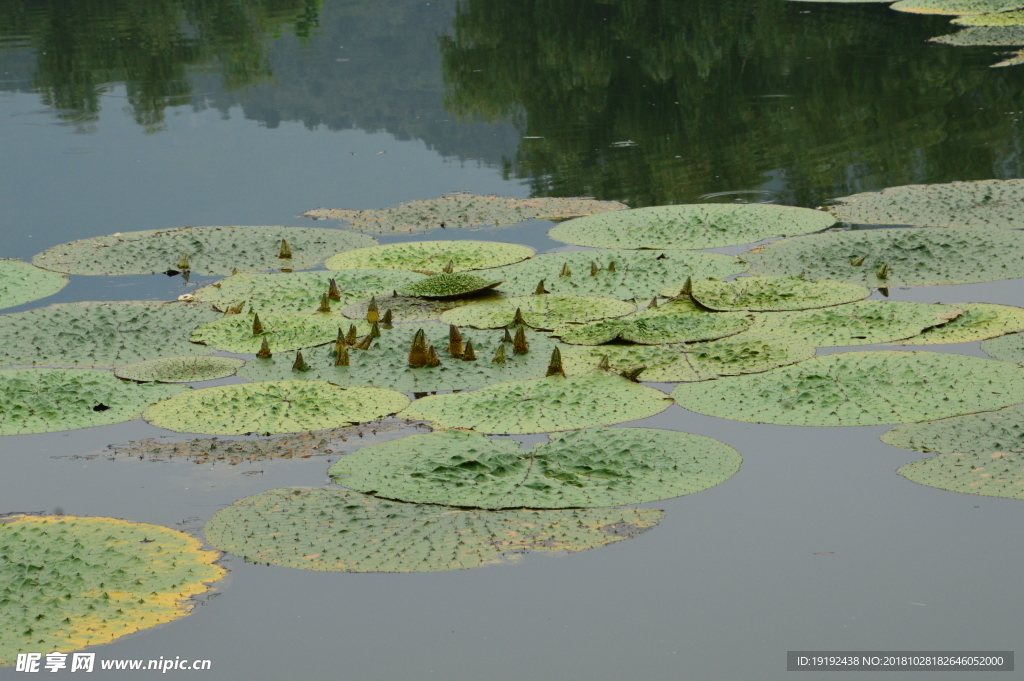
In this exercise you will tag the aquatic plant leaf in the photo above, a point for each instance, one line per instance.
(1016, 59)
(984, 203)
(677, 321)
(210, 250)
(412, 309)
(301, 291)
(449, 286)
(1009, 348)
(233, 333)
(862, 323)
(978, 322)
(637, 274)
(860, 389)
(432, 256)
(915, 257)
(462, 211)
(179, 369)
(540, 312)
(771, 294)
(1002, 475)
(273, 407)
(71, 582)
(746, 353)
(585, 468)
(100, 333)
(542, 405)
(703, 225)
(386, 364)
(985, 35)
(22, 283)
(956, 6)
(51, 400)
(1015, 18)
(336, 530)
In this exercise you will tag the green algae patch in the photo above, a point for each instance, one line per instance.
(542, 405)
(771, 294)
(676, 321)
(413, 309)
(334, 530)
(985, 203)
(539, 311)
(449, 286)
(1009, 348)
(22, 283)
(70, 582)
(179, 369)
(432, 257)
(690, 226)
(860, 389)
(979, 321)
(283, 332)
(202, 250)
(273, 407)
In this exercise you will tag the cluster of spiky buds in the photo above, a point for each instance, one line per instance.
(418, 350)
(372, 312)
(555, 365)
(286, 251)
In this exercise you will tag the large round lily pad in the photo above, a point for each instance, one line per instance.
(771, 294)
(210, 250)
(978, 322)
(860, 389)
(273, 407)
(234, 333)
(462, 211)
(51, 400)
(992, 36)
(100, 334)
(542, 405)
(179, 369)
(22, 283)
(335, 530)
(585, 468)
(677, 321)
(985, 203)
(540, 311)
(432, 256)
(1002, 475)
(386, 363)
(620, 273)
(906, 257)
(862, 323)
(70, 582)
(1009, 348)
(704, 225)
(1015, 18)
(450, 286)
(956, 6)
(413, 309)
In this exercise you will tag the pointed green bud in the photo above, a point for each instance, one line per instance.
(687, 289)
(432, 359)
(555, 365)
(611, 266)
(333, 292)
(508, 336)
(257, 326)
(594, 269)
(365, 343)
(633, 374)
(520, 345)
(341, 359)
(883, 271)
(300, 363)
(469, 354)
(653, 304)
(236, 308)
(858, 261)
(234, 271)
(374, 330)
(518, 319)
(605, 364)
(386, 319)
(449, 268)
(183, 263)
(455, 348)
(540, 289)
(499, 356)
(418, 350)
(264, 352)
(884, 290)
(286, 251)
(566, 272)
(372, 313)
(352, 334)
(325, 304)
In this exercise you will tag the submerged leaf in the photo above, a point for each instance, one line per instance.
(22, 283)
(432, 256)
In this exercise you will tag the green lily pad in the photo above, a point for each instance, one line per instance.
(386, 364)
(985, 203)
(987, 36)
(100, 334)
(211, 250)
(978, 322)
(1000, 476)
(747, 353)
(273, 407)
(771, 294)
(636, 274)
(586, 468)
(862, 323)
(449, 286)
(540, 312)
(51, 400)
(412, 309)
(432, 256)
(907, 257)
(301, 291)
(542, 405)
(676, 321)
(22, 283)
(462, 211)
(860, 389)
(1015, 60)
(179, 369)
(704, 225)
(1015, 18)
(956, 6)
(72, 582)
(283, 332)
(1009, 348)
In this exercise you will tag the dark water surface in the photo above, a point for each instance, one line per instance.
(119, 115)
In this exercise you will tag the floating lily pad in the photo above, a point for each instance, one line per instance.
(540, 312)
(335, 530)
(701, 225)
(100, 334)
(907, 257)
(51, 400)
(860, 389)
(747, 353)
(386, 364)
(22, 283)
(677, 321)
(771, 294)
(72, 582)
(179, 369)
(1015, 18)
(586, 468)
(234, 333)
(542, 405)
(1016, 59)
(449, 286)
(432, 256)
(1009, 347)
(273, 407)
(636, 274)
(210, 250)
(411, 309)
(1002, 475)
(302, 291)
(978, 322)
(985, 203)
(987, 36)
(462, 211)
(862, 323)
(956, 6)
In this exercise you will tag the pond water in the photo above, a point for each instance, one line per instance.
(130, 114)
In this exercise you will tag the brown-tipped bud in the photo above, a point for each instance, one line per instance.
(508, 336)
(858, 261)
(469, 354)
(611, 266)
(234, 270)
(418, 350)
(884, 290)
(605, 364)
(687, 287)
(499, 356)
(183, 263)
(340, 345)
(883, 271)
(555, 365)
(300, 363)
(432, 359)
(374, 330)
(594, 269)
(264, 352)
(540, 289)
(286, 251)
(333, 292)
(257, 326)
(566, 272)
(449, 268)
(519, 319)
(386, 319)
(341, 359)
(372, 313)
(633, 374)
(520, 346)
(325, 304)
(365, 343)
(455, 348)
(352, 335)
(653, 304)
(236, 308)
